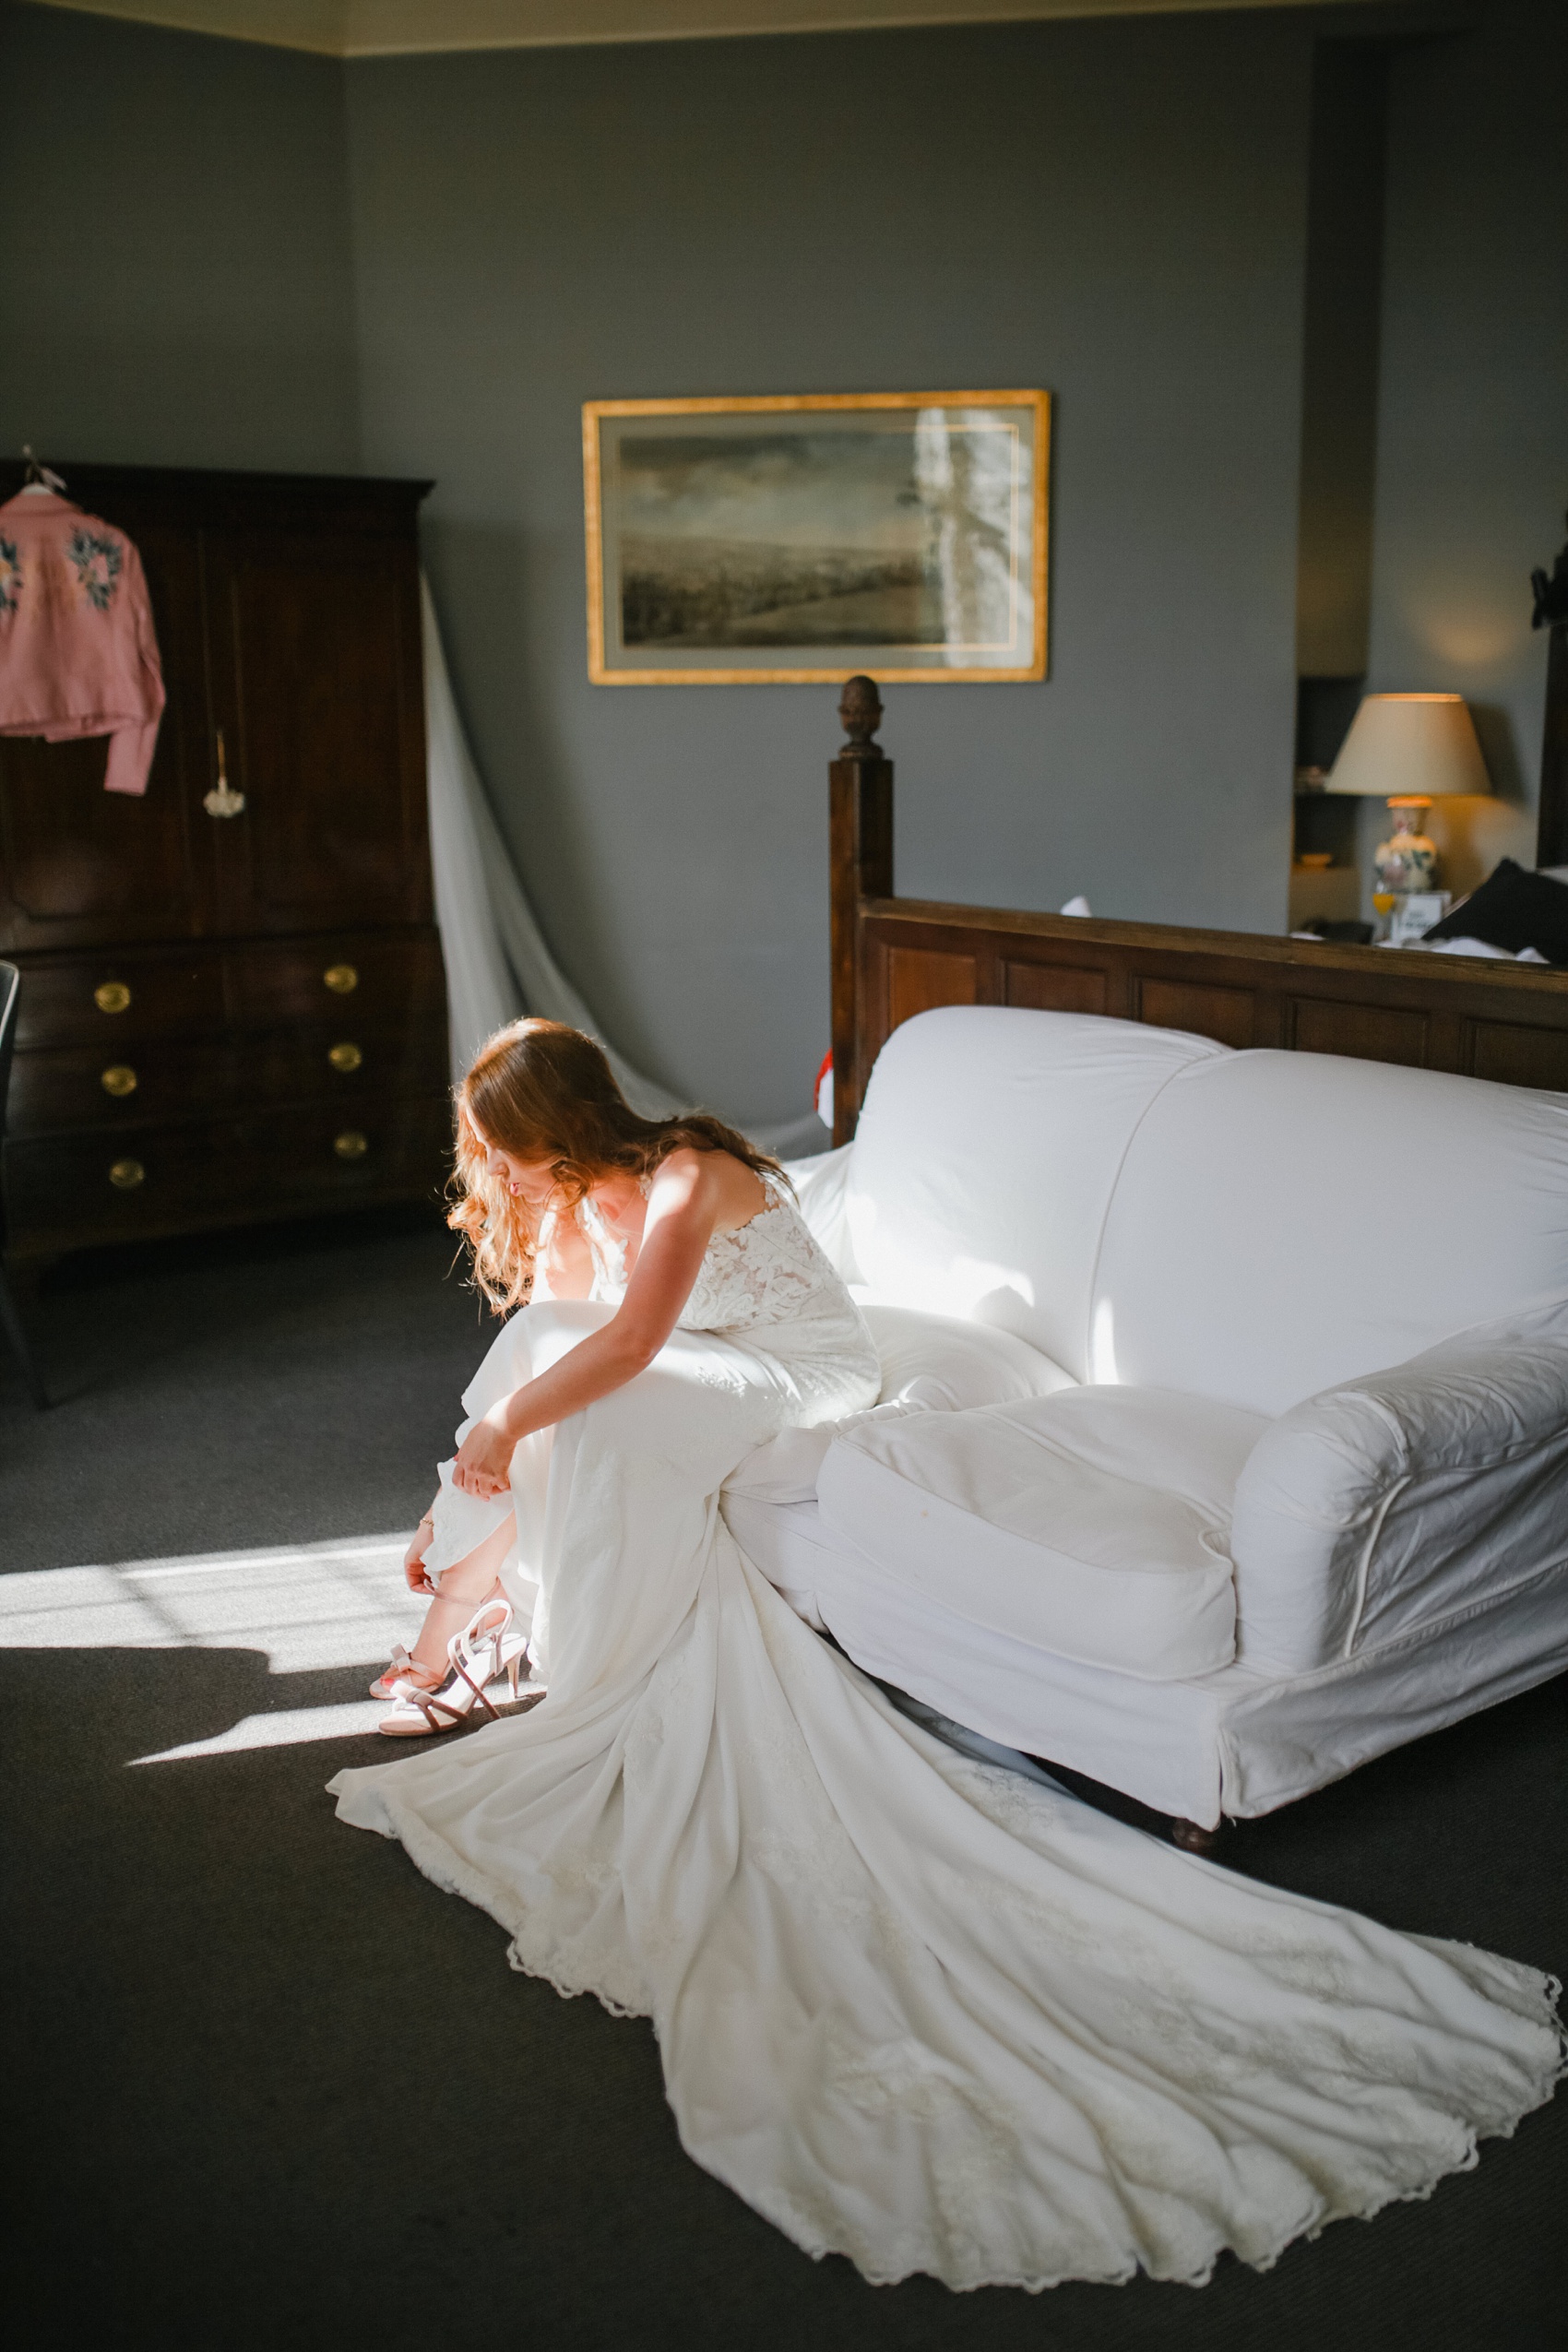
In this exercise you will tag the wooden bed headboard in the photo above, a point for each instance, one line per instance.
(894, 957)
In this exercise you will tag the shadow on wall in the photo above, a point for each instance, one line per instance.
(1505, 766)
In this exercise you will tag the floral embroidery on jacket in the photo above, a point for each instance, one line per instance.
(10, 574)
(98, 560)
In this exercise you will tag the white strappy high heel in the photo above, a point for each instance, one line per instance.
(488, 1646)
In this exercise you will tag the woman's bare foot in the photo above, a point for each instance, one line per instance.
(405, 1668)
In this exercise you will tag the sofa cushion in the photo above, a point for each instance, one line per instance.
(986, 1155)
(1093, 1524)
(1254, 1252)
(930, 1364)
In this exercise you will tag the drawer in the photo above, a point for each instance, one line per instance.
(366, 981)
(316, 1155)
(115, 998)
(124, 1083)
(64, 1193)
(157, 1079)
(185, 1176)
(346, 1061)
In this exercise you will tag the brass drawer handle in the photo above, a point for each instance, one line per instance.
(351, 1143)
(127, 1174)
(345, 1057)
(111, 996)
(119, 1080)
(341, 978)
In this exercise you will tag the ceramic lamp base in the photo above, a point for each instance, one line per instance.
(1408, 860)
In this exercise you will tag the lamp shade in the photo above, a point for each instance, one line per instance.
(1410, 747)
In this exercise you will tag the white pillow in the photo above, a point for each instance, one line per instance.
(930, 1364)
(946, 1365)
(1093, 1524)
(821, 1185)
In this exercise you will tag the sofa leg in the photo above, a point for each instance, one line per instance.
(1193, 1838)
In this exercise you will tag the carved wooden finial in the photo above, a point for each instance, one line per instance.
(860, 706)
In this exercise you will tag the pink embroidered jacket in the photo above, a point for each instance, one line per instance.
(78, 652)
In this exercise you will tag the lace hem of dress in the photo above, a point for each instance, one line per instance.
(447, 1870)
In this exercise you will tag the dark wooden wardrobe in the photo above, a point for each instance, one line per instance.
(231, 1013)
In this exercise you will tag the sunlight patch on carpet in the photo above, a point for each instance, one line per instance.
(311, 1607)
(282, 1727)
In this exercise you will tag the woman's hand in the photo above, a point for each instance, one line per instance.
(413, 1559)
(484, 1466)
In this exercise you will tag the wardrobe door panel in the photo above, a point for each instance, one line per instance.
(80, 865)
(316, 638)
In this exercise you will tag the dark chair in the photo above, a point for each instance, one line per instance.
(10, 989)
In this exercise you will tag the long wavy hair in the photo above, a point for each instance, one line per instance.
(546, 1093)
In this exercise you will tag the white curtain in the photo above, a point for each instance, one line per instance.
(498, 965)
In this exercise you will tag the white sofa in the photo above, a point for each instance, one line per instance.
(1224, 1440)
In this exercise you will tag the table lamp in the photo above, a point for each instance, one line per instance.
(1409, 750)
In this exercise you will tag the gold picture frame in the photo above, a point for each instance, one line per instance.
(722, 554)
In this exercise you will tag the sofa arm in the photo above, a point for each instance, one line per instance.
(1407, 1495)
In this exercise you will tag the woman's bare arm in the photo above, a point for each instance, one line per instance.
(683, 1210)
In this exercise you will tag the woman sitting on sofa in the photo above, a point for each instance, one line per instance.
(924, 2011)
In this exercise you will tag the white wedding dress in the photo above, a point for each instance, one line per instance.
(917, 2010)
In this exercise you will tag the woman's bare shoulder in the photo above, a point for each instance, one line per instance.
(686, 1169)
(715, 1181)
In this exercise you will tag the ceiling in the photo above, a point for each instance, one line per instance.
(390, 28)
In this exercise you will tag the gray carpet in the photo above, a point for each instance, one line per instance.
(267, 2088)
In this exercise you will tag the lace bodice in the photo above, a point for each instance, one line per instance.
(766, 1271)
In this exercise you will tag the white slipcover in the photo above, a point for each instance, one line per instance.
(1158, 1213)
(1094, 1523)
(989, 1147)
(930, 1364)
(1261, 1242)
(1399, 1498)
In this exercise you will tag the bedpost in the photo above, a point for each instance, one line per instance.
(860, 852)
(1551, 613)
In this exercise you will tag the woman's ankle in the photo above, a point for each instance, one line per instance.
(443, 1618)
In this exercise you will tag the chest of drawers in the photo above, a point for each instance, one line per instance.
(231, 1013)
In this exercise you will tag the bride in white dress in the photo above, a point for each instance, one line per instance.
(916, 2010)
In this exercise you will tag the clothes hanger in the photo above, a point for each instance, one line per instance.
(40, 483)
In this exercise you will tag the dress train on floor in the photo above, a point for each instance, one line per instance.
(913, 2008)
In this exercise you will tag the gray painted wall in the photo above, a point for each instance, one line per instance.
(1472, 463)
(175, 277)
(1115, 212)
(1342, 318)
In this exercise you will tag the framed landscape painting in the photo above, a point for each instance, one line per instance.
(757, 541)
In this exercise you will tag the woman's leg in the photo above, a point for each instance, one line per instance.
(530, 1344)
(464, 1585)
